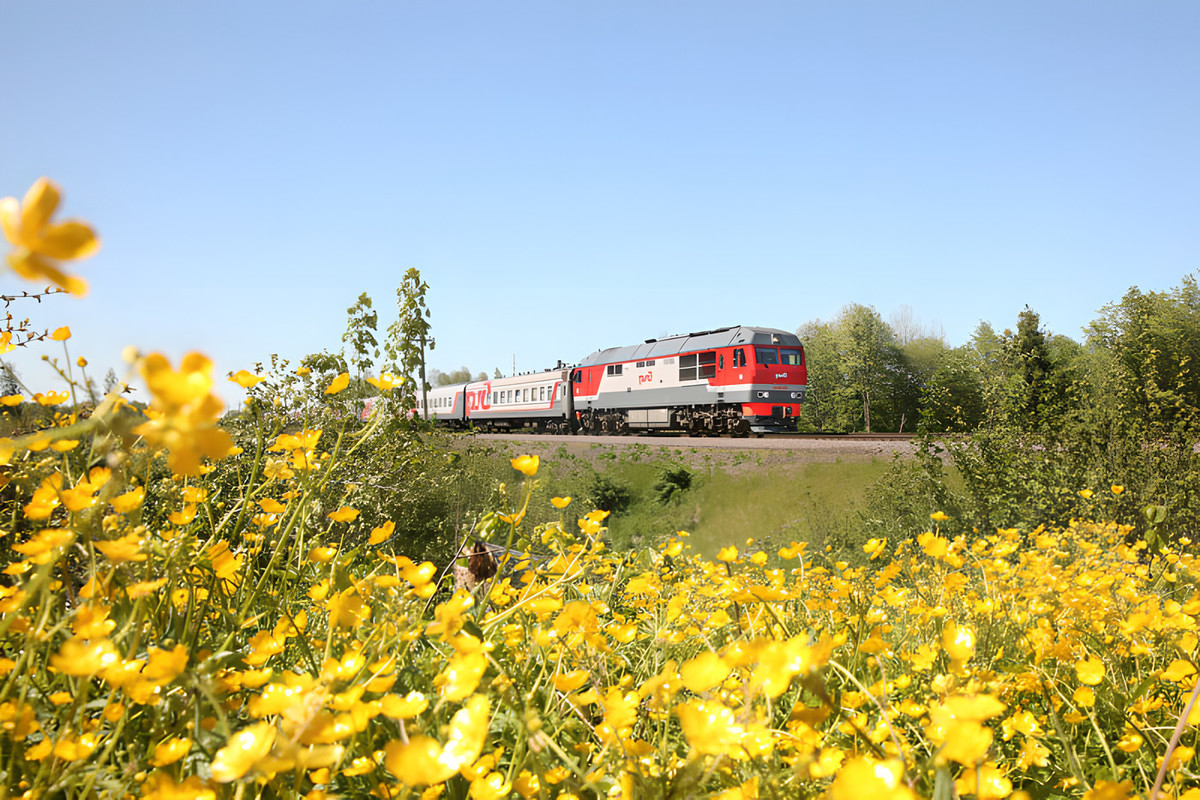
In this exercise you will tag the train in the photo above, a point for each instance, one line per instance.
(738, 380)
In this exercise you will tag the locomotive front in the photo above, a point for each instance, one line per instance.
(738, 380)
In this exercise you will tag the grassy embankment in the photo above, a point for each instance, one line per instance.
(774, 496)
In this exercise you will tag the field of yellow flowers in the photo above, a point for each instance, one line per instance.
(182, 617)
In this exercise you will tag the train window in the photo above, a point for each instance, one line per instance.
(640, 364)
(650, 363)
(766, 355)
(721, 361)
(708, 365)
(739, 357)
(687, 368)
(790, 356)
(614, 369)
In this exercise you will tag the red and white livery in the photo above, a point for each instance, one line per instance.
(737, 380)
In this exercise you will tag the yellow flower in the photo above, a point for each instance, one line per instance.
(570, 681)
(1090, 671)
(710, 728)
(382, 533)
(728, 554)
(338, 384)
(1178, 671)
(1117, 489)
(170, 750)
(85, 659)
(704, 672)
(144, 588)
(386, 382)
(958, 641)
(39, 243)
(1085, 494)
(864, 777)
(127, 548)
(161, 786)
(12, 400)
(407, 707)
(51, 398)
(185, 412)
(124, 503)
(244, 750)
(875, 547)
(527, 465)
(81, 361)
(61, 334)
(344, 514)
(988, 779)
(91, 621)
(490, 787)
(423, 761)
(1111, 790)
(322, 554)
(560, 502)
(245, 379)
(939, 516)
(462, 675)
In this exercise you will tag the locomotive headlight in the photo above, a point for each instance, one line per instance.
(795, 395)
(764, 395)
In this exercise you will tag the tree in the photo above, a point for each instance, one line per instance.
(1032, 361)
(1154, 339)
(855, 373)
(10, 384)
(460, 375)
(361, 324)
(824, 407)
(111, 382)
(868, 353)
(408, 337)
(952, 398)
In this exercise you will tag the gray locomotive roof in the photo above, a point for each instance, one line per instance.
(691, 342)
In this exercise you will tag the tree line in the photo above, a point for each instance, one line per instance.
(1137, 358)
(1052, 428)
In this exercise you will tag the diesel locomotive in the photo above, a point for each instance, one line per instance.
(737, 380)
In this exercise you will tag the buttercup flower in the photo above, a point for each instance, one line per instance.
(40, 243)
(527, 465)
(184, 412)
(338, 384)
(245, 379)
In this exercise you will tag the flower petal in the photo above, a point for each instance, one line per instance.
(40, 202)
(68, 240)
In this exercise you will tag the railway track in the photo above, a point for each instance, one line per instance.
(683, 437)
(819, 446)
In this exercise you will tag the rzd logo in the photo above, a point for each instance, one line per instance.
(649, 376)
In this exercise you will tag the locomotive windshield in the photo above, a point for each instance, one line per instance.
(791, 356)
(766, 355)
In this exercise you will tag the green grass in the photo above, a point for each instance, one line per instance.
(772, 497)
(800, 501)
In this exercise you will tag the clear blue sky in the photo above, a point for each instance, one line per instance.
(575, 175)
